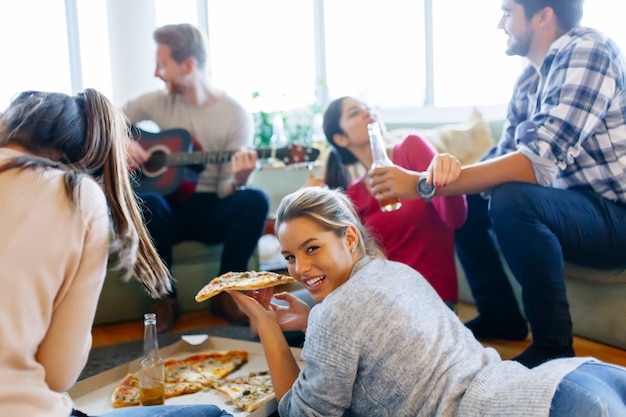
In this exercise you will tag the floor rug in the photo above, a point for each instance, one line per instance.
(103, 358)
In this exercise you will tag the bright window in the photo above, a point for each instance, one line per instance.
(470, 64)
(34, 46)
(378, 51)
(607, 16)
(375, 51)
(177, 11)
(264, 47)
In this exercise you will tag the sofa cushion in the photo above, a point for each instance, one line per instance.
(192, 252)
(467, 141)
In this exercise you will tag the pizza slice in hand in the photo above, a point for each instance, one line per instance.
(242, 281)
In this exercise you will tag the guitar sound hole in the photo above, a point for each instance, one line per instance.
(156, 162)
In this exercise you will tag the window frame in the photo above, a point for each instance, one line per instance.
(428, 112)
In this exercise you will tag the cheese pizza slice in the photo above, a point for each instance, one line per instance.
(127, 392)
(248, 392)
(181, 370)
(216, 365)
(242, 281)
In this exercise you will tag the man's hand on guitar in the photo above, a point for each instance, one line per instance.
(137, 155)
(243, 163)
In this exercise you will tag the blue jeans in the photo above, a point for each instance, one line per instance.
(537, 228)
(169, 411)
(592, 390)
(237, 221)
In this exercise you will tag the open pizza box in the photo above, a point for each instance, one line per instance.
(93, 395)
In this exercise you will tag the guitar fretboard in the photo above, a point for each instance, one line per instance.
(202, 158)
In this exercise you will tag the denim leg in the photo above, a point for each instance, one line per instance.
(481, 263)
(170, 411)
(537, 228)
(249, 209)
(594, 389)
(237, 221)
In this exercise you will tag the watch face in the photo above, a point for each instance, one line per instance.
(425, 189)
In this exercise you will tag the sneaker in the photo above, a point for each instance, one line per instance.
(536, 355)
(501, 327)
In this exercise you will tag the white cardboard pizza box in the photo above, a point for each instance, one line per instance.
(93, 395)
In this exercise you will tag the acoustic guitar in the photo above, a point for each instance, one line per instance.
(174, 164)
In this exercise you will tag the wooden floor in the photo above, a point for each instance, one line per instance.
(116, 333)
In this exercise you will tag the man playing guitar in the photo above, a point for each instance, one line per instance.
(220, 209)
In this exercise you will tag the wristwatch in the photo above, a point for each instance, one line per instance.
(424, 189)
(237, 187)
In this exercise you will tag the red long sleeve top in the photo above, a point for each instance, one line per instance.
(419, 234)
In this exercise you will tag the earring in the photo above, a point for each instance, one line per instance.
(353, 250)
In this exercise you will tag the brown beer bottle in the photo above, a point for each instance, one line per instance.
(151, 370)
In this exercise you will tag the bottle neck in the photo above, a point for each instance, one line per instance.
(377, 145)
(150, 340)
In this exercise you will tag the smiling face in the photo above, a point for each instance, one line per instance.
(318, 258)
(172, 73)
(517, 27)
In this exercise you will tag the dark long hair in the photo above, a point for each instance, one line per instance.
(84, 135)
(337, 174)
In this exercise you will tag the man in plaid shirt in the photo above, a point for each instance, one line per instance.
(554, 187)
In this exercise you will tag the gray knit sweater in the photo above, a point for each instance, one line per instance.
(384, 344)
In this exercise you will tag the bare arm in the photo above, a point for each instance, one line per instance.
(483, 176)
(283, 367)
(474, 178)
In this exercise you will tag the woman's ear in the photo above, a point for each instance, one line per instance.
(352, 236)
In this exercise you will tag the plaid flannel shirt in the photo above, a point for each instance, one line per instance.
(577, 99)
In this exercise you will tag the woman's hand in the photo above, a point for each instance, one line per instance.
(255, 305)
(293, 316)
(393, 181)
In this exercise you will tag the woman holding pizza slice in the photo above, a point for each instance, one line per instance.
(380, 342)
(64, 190)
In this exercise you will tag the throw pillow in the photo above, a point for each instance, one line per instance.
(467, 141)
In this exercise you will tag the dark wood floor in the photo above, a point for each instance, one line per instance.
(120, 332)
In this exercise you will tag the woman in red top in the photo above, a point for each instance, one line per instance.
(419, 234)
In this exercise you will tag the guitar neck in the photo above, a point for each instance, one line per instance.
(203, 158)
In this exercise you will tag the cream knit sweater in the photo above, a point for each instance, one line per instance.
(53, 259)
